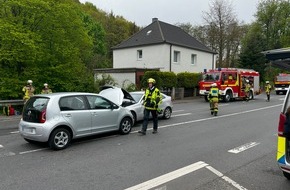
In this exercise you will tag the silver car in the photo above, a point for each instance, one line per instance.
(133, 101)
(58, 118)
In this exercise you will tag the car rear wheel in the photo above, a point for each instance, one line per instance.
(59, 139)
(287, 175)
(126, 126)
(167, 113)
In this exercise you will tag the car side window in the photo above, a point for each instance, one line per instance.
(97, 102)
(72, 103)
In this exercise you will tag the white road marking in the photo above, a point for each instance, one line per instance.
(243, 147)
(227, 179)
(168, 177)
(1, 146)
(30, 151)
(210, 118)
(177, 110)
(179, 173)
(181, 115)
(14, 132)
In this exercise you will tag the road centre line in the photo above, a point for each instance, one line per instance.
(243, 147)
(217, 117)
(181, 172)
(177, 110)
(1, 146)
(181, 114)
(30, 151)
(210, 118)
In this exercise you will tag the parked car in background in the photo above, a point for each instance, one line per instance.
(58, 118)
(133, 101)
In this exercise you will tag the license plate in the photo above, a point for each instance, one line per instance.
(28, 130)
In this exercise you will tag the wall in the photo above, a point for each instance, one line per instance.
(158, 56)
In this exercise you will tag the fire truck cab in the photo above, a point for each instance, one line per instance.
(281, 83)
(231, 82)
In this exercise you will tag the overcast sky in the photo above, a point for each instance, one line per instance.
(171, 11)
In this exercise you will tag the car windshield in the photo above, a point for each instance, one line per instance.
(136, 96)
(211, 76)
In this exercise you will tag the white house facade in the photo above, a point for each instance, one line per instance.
(165, 57)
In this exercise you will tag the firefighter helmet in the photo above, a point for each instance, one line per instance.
(29, 81)
(151, 80)
(45, 84)
(213, 85)
(247, 81)
(267, 82)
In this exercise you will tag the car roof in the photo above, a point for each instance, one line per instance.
(60, 94)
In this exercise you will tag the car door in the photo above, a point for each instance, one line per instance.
(76, 112)
(104, 117)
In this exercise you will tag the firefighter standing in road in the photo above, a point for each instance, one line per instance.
(28, 90)
(268, 90)
(45, 89)
(152, 99)
(213, 98)
(247, 90)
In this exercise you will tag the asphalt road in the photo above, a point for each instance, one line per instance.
(193, 150)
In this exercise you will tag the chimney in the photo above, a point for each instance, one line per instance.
(154, 19)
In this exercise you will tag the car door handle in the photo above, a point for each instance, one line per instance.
(68, 115)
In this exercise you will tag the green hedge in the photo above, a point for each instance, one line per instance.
(170, 79)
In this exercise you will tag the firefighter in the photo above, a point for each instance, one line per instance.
(213, 97)
(247, 89)
(152, 99)
(28, 91)
(268, 90)
(45, 89)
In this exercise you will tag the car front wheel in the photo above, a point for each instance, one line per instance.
(167, 113)
(126, 126)
(59, 139)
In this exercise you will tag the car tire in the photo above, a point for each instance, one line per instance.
(126, 126)
(59, 139)
(287, 175)
(167, 113)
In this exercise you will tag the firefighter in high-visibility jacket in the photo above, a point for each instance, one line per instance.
(268, 90)
(213, 97)
(248, 90)
(152, 99)
(28, 90)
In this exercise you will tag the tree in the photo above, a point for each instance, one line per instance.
(223, 32)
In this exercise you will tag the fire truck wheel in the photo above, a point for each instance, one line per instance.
(228, 96)
(251, 97)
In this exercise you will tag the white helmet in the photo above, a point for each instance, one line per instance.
(267, 82)
(45, 84)
(247, 80)
(213, 85)
(29, 81)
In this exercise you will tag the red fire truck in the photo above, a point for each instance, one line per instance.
(231, 82)
(281, 83)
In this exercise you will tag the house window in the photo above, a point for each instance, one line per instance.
(193, 59)
(139, 54)
(176, 56)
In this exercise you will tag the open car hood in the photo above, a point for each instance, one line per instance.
(116, 94)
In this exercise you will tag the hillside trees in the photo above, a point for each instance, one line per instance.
(270, 31)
